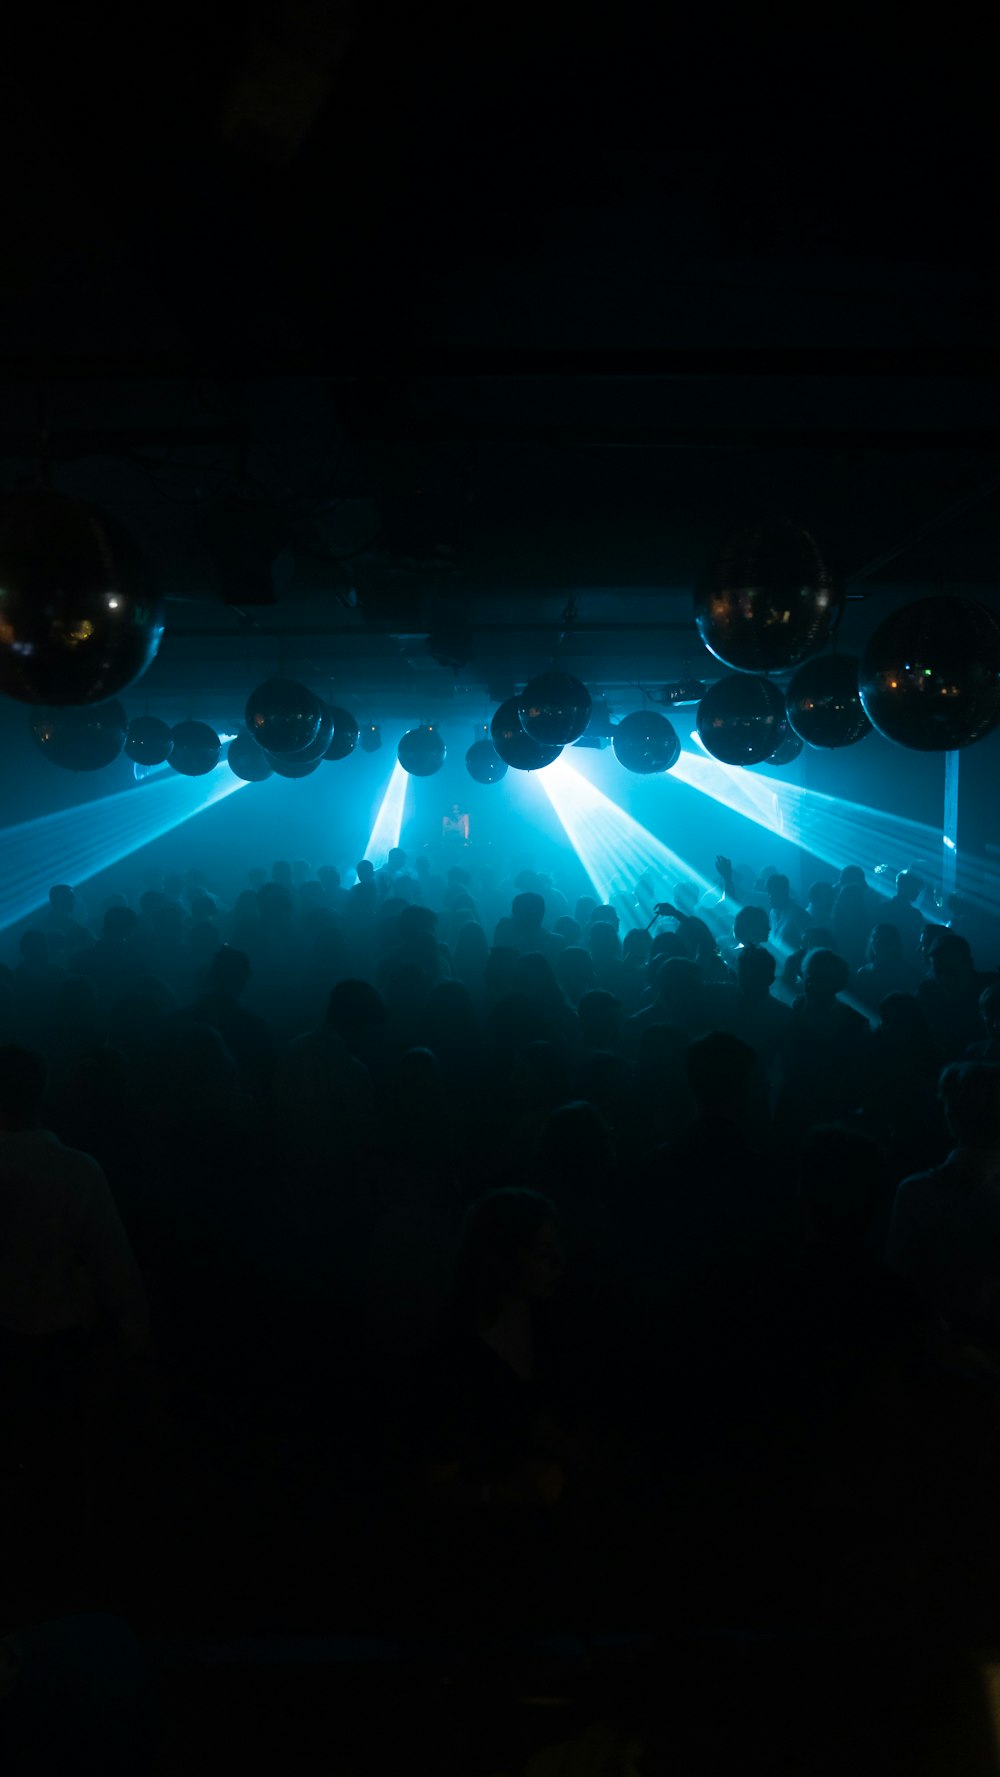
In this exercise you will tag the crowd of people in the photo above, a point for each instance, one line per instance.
(431, 1243)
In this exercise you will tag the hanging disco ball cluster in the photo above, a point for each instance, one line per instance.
(929, 678)
(290, 732)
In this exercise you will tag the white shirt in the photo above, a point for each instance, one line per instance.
(65, 1258)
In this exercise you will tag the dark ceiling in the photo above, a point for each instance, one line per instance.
(378, 321)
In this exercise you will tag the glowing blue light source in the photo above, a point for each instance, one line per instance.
(948, 841)
(389, 819)
(78, 843)
(629, 867)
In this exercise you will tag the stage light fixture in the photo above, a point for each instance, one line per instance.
(388, 821)
(370, 738)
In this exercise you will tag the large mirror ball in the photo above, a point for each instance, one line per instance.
(80, 616)
(645, 743)
(824, 704)
(930, 675)
(516, 748)
(283, 716)
(769, 600)
(741, 720)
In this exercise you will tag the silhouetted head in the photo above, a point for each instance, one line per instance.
(396, 860)
(755, 971)
(528, 910)
(902, 1018)
(885, 947)
(820, 902)
(62, 899)
(929, 935)
(908, 886)
(329, 876)
(469, 948)
(569, 930)
(366, 870)
(779, 890)
(824, 975)
(970, 1094)
(510, 1251)
(23, 1079)
(719, 1069)
(637, 948)
(416, 921)
(751, 925)
(852, 874)
(229, 971)
(605, 915)
(951, 961)
(275, 904)
(354, 1010)
(120, 924)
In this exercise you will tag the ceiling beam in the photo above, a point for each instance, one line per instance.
(377, 358)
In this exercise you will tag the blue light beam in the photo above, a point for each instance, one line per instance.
(834, 830)
(78, 843)
(389, 819)
(628, 865)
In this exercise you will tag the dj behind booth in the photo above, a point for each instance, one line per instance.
(455, 828)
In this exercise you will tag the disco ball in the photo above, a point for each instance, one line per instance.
(80, 739)
(484, 764)
(770, 600)
(286, 767)
(148, 741)
(514, 746)
(930, 675)
(789, 749)
(197, 749)
(80, 618)
(554, 709)
(317, 747)
(248, 761)
(645, 742)
(421, 752)
(823, 703)
(345, 734)
(283, 716)
(741, 720)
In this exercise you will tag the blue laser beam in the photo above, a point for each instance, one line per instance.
(389, 819)
(629, 867)
(832, 829)
(78, 843)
